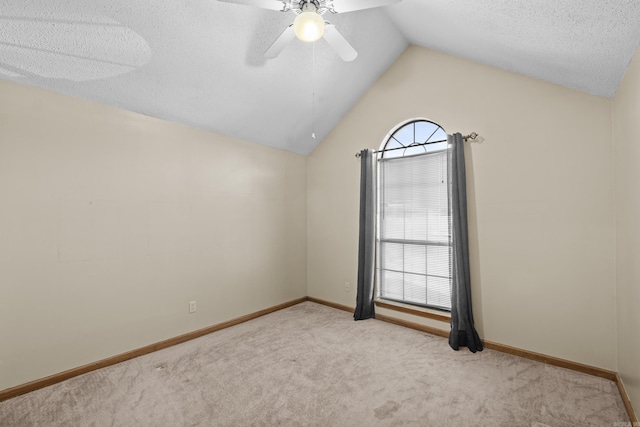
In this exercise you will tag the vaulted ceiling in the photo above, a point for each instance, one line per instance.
(201, 63)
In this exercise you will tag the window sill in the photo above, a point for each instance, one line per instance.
(416, 311)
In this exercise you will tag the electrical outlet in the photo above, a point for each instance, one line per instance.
(192, 306)
(347, 286)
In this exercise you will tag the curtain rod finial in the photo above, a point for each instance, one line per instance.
(474, 137)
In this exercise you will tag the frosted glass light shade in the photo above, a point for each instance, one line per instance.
(308, 26)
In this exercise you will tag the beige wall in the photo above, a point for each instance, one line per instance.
(110, 222)
(626, 113)
(541, 200)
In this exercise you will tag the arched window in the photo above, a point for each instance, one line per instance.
(418, 136)
(414, 232)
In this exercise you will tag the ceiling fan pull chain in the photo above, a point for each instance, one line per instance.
(313, 91)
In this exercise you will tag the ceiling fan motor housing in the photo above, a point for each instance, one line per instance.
(318, 6)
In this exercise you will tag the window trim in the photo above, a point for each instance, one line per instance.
(415, 310)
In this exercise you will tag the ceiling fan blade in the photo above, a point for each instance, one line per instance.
(343, 6)
(263, 4)
(339, 43)
(280, 43)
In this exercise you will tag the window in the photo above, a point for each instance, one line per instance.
(414, 220)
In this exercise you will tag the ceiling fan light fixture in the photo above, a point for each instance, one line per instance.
(308, 25)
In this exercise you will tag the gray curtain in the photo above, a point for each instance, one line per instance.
(367, 241)
(463, 332)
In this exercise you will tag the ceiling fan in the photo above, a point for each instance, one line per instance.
(309, 25)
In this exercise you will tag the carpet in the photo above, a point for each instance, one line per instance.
(312, 365)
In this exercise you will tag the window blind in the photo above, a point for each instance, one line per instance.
(414, 242)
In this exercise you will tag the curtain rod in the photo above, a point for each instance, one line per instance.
(473, 137)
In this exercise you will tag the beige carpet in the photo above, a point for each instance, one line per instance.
(313, 365)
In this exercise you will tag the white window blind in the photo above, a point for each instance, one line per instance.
(414, 242)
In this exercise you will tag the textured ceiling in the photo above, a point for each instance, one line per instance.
(582, 44)
(200, 62)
